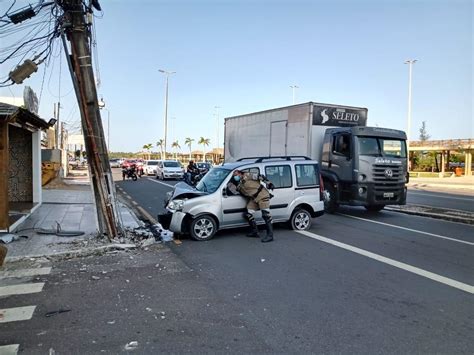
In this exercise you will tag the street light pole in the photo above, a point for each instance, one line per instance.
(167, 73)
(217, 118)
(410, 63)
(102, 107)
(294, 87)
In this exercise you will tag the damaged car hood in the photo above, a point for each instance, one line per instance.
(183, 190)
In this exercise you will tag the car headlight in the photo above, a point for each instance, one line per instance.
(175, 205)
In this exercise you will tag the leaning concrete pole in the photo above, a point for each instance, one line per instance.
(77, 31)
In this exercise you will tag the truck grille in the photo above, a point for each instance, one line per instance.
(384, 183)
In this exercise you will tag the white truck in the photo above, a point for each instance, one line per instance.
(360, 165)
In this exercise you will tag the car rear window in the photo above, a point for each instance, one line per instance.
(171, 164)
(152, 163)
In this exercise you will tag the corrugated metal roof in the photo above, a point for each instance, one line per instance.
(20, 115)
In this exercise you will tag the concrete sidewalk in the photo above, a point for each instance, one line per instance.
(73, 209)
(460, 182)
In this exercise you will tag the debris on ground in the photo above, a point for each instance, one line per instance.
(53, 313)
(132, 345)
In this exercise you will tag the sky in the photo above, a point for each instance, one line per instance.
(243, 56)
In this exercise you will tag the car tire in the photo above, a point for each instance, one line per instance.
(203, 228)
(374, 208)
(330, 202)
(301, 219)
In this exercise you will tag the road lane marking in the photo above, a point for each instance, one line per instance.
(16, 314)
(160, 182)
(430, 275)
(408, 229)
(21, 289)
(11, 349)
(25, 273)
(441, 196)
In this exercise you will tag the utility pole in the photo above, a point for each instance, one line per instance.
(77, 30)
(410, 63)
(294, 87)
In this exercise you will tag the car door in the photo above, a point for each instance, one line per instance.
(234, 205)
(283, 194)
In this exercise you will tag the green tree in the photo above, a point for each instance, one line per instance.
(424, 136)
(189, 141)
(204, 142)
(160, 145)
(148, 147)
(176, 146)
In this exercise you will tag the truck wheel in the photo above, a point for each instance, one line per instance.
(300, 220)
(374, 208)
(330, 203)
(203, 228)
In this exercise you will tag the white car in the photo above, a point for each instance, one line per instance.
(169, 169)
(149, 167)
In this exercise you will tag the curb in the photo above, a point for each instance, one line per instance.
(69, 254)
(438, 213)
(446, 186)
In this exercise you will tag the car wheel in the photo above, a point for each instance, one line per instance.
(203, 228)
(300, 220)
(330, 203)
(374, 208)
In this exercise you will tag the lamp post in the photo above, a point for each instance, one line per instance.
(217, 118)
(102, 107)
(167, 73)
(410, 63)
(294, 87)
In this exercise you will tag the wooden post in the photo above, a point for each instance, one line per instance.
(4, 172)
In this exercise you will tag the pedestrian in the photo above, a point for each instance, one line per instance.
(255, 188)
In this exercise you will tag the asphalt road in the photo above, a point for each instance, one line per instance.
(458, 200)
(357, 282)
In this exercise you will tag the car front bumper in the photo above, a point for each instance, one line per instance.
(172, 221)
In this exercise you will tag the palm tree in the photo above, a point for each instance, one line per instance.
(205, 142)
(189, 141)
(147, 147)
(175, 145)
(160, 145)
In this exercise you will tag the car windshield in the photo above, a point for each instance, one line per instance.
(381, 147)
(152, 163)
(212, 180)
(171, 164)
(203, 165)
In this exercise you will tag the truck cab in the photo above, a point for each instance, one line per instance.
(364, 166)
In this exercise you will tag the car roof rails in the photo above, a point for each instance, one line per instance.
(283, 157)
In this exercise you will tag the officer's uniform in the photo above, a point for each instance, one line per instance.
(251, 186)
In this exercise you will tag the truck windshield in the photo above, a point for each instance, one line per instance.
(377, 146)
(212, 180)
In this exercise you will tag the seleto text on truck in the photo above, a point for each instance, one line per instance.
(360, 165)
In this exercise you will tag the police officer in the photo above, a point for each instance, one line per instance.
(250, 185)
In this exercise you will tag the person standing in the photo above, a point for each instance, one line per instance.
(258, 197)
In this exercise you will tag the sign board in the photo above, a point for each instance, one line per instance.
(339, 116)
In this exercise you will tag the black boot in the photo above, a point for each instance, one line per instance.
(269, 227)
(253, 230)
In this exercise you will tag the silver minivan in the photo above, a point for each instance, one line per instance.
(203, 210)
(169, 169)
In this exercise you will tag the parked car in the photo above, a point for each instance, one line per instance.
(203, 210)
(149, 167)
(169, 169)
(114, 163)
(204, 167)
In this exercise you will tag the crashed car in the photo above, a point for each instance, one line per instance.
(211, 206)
